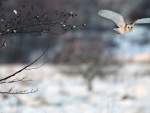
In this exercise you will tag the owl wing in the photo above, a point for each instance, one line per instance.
(117, 18)
(141, 21)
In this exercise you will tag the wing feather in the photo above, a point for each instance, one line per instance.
(117, 18)
(141, 21)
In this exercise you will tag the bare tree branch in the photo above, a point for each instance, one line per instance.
(25, 21)
(14, 74)
(18, 92)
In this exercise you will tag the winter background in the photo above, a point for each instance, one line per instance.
(90, 69)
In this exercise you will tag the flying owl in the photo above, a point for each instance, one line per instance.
(118, 19)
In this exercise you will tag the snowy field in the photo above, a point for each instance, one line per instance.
(126, 92)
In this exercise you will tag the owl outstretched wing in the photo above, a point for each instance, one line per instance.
(117, 18)
(141, 21)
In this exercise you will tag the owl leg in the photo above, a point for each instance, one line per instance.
(118, 32)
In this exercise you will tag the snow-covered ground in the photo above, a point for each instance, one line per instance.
(126, 92)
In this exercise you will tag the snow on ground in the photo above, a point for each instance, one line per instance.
(126, 92)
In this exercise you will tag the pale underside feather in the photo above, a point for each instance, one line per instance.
(117, 18)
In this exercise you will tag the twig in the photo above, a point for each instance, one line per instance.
(14, 74)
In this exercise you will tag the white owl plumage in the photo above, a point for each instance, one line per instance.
(118, 19)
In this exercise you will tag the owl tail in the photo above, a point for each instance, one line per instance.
(116, 29)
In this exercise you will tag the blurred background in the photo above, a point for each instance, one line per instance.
(88, 69)
(84, 43)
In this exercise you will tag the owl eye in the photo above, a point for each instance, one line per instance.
(131, 27)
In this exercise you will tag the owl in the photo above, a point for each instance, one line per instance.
(118, 19)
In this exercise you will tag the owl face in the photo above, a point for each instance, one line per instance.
(128, 28)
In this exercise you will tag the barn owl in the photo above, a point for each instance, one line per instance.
(118, 19)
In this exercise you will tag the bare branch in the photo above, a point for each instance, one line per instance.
(19, 92)
(24, 22)
(14, 74)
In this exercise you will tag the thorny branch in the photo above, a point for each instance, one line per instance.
(16, 92)
(18, 79)
(24, 21)
(2, 81)
(26, 65)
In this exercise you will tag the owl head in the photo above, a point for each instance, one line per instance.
(128, 28)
